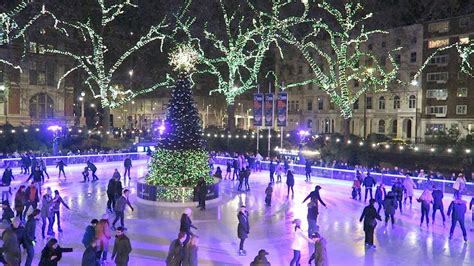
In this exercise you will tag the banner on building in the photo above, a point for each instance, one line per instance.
(282, 109)
(269, 98)
(258, 109)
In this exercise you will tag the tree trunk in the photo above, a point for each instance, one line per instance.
(230, 117)
(106, 119)
(346, 128)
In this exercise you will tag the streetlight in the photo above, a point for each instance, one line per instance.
(82, 119)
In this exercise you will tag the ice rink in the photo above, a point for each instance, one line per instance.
(151, 229)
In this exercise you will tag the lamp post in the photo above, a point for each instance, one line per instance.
(82, 119)
(207, 116)
(55, 130)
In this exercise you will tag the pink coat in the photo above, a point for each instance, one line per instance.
(102, 233)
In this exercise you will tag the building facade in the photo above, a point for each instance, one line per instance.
(448, 94)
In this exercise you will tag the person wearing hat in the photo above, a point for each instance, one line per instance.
(320, 254)
(7, 214)
(260, 259)
(30, 236)
(299, 239)
(243, 228)
(89, 234)
(122, 248)
(11, 247)
(369, 216)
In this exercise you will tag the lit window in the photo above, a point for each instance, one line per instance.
(33, 47)
(438, 43)
(439, 94)
(462, 92)
(442, 26)
(464, 39)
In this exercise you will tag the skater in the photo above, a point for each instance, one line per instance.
(380, 194)
(120, 205)
(312, 217)
(438, 203)
(103, 235)
(243, 229)
(30, 236)
(236, 172)
(55, 211)
(258, 160)
(425, 199)
(42, 166)
(20, 201)
(315, 196)
(85, 175)
(7, 214)
(116, 175)
(11, 252)
(272, 171)
(6, 182)
(93, 169)
(397, 189)
(268, 195)
(218, 173)
(187, 224)
(320, 255)
(46, 202)
(201, 189)
(241, 179)
(356, 188)
(176, 251)
(61, 165)
(459, 185)
(458, 210)
(37, 177)
(52, 253)
(409, 185)
(122, 248)
(190, 257)
(389, 205)
(261, 259)
(228, 170)
(246, 178)
(111, 194)
(89, 234)
(32, 198)
(370, 215)
(89, 258)
(472, 215)
(278, 170)
(127, 164)
(299, 239)
(368, 183)
(290, 182)
(307, 169)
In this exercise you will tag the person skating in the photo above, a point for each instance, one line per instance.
(85, 174)
(268, 195)
(120, 205)
(190, 257)
(472, 215)
(307, 170)
(261, 259)
(61, 166)
(202, 193)
(290, 183)
(390, 205)
(315, 196)
(425, 199)
(20, 201)
(241, 179)
(176, 251)
(30, 236)
(52, 253)
(458, 209)
(127, 164)
(236, 172)
(32, 198)
(312, 217)
(368, 183)
(103, 235)
(186, 224)
(320, 255)
(459, 185)
(272, 171)
(46, 202)
(397, 188)
(37, 177)
(42, 165)
(7, 178)
(228, 170)
(111, 194)
(89, 233)
(380, 194)
(89, 258)
(55, 211)
(299, 239)
(116, 175)
(437, 195)
(218, 173)
(243, 229)
(11, 247)
(93, 169)
(246, 178)
(369, 216)
(356, 188)
(7, 213)
(409, 185)
(122, 248)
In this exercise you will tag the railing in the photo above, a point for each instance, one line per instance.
(387, 179)
(79, 159)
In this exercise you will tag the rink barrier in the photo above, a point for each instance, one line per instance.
(348, 175)
(79, 159)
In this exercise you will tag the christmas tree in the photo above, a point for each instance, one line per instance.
(180, 159)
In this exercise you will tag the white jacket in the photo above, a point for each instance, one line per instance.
(299, 239)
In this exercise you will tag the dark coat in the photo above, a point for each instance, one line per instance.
(458, 209)
(186, 224)
(122, 249)
(397, 188)
(89, 234)
(260, 260)
(312, 210)
(290, 179)
(369, 181)
(127, 163)
(243, 229)
(369, 215)
(315, 197)
(390, 203)
(7, 214)
(7, 177)
(175, 253)
(11, 247)
(92, 166)
(30, 231)
(190, 256)
(89, 258)
(46, 256)
(380, 194)
(437, 199)
(37, 176)
(111, 187)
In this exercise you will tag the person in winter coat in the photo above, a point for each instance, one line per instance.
(409, 185)
(368, 183)
(272, 171)
(356, 188)
(187, 224)
(89, 234)
(11, 247)
(201, 189)
(218, 173)
(380, 194)
(320, 252)
(243, 229)
(55, 211)
(30, 236)
(20, 201)
(111, 191)
(176, 251)
(122, 248)
(425, 199)
(32, 197)
(315, 197)
(190, 257)
(260, 259)
(307, 170)
(369, 216)
(93, 169)
(459, 185)
(46, 202)
(278, 171)
(7, 213)
(116, 175)
(299, 239)
(5, 185)
(228, 170)
(127, 164)
(312, 217)
(437, 195)
(61, 165)
(472, 215)
(119, 209)
(458, 209)
(52, 253)
(268, 195)
(85, 174)
(390, 205)
(397, 189)
(290, 183)
(89, 258)
(103, 235)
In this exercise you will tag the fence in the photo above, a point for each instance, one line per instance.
(387, 179)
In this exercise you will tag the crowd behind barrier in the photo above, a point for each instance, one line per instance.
(348, 174)
(78, 159)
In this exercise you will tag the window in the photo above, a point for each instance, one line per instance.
(300, 70)
(438, 43)
(309, 105)
(356, 104)
(384, 44)
(436, 110)
(41, 48)
(320, 104)
(398, 42)
(382, 103)
(440, 27)
(464, 39)
(369, 102)
(383, 60)
(33, 47)
(41, 106)
(439, 60)
(394, 126)
(309, 123)
(398, 59)
(438, 94)
(432, 128)
(396, 102)
(370, 46)
(461, 109)
(41, 78)
(413, 57)
(464, 22)
(462, 92)
(412, 101)
(440, 77)
(382, 126)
